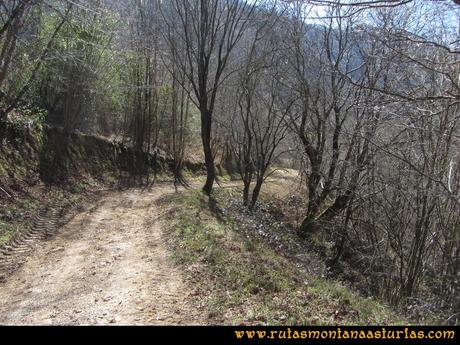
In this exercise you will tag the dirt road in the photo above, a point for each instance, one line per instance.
(109, 265)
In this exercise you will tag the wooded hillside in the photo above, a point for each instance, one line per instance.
(360, 99)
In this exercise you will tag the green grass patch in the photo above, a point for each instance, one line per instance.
(246, 281)
(7, 231)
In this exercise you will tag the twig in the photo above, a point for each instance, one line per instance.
(450, 317)
(4, 191)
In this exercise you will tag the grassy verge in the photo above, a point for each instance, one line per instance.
(247, 281)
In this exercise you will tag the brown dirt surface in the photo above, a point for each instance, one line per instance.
(108, 265)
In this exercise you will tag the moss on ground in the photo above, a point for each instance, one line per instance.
(6, 231)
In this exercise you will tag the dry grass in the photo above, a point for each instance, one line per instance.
(243, 279)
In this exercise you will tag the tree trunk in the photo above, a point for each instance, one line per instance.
(246, 193)
(256, 192)
(9, 45)
(309, 225)
(208, 157)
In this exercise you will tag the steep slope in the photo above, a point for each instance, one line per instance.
(245, 278)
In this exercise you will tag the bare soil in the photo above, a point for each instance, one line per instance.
(108, 265)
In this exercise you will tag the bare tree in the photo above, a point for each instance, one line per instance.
(332, 129)
(203, 34)
(12, 21)
(259, 127)
(12, 32)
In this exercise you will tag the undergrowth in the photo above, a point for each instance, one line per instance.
(247, 281)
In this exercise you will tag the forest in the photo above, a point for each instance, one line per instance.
(326, 132)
